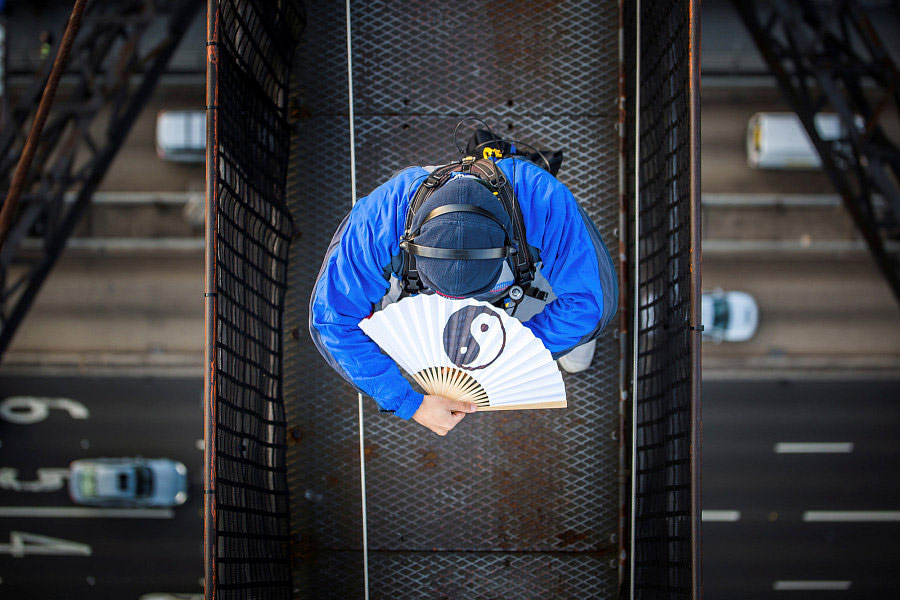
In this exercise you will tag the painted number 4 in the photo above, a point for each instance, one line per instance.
(27, 410)
(21, 544)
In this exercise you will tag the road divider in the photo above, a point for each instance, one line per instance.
(78, 512)
(713, 516)
(807, 585)
(813, 447)
(852, 516)
(124, 244)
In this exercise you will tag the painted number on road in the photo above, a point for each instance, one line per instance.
(48, 480)
(21, 544)
(26, 410)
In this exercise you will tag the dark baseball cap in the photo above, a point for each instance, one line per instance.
(461, 278)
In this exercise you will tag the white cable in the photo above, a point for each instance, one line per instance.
(350, 103)
(362, 437)
(636, 289)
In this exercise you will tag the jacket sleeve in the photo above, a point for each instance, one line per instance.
(573, 257)
(353, 278)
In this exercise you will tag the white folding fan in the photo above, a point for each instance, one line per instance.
(468, 350)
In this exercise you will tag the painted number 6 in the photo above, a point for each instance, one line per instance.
(27, 410)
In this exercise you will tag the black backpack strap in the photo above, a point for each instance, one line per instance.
(523, 262)
(412, 283)
(434, 180)
(488, 172)
(409, 276)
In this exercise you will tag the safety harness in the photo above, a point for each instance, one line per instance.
(517, 249)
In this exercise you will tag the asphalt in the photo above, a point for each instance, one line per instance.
(771, 541)
(742, 422)
(152, 417)
(810, 307)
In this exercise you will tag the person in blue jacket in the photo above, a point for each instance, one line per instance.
(363, 268)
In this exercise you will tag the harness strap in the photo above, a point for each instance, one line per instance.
(449, 208)
(412, 283)
(523, 261)
(459, 253)
(490, 175)
(536, 293)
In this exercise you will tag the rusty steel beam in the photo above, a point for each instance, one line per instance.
(828, 57)
(112, 74)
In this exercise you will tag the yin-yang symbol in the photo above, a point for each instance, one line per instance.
(474, 337)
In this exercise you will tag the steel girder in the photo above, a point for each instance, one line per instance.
(828, 56)
(112, 70)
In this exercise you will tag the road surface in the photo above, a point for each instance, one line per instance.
(96, 553)
(116, 309)
(816, 312)
(146, 307)
(800, 487)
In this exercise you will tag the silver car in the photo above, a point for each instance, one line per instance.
(128, 482)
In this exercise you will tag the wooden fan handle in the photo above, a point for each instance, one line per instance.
(549, 404)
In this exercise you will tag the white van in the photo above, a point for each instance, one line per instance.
(779, 141)
(181, 135)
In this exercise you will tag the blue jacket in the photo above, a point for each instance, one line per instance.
(365, 252)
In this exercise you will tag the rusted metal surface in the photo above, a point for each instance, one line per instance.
(508, 501)
(831, 58)
(696, 321)
(113, 75)
(661, 52)
(209, 301)
(31, 142)
(246, 542)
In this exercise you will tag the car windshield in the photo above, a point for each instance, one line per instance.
(720, 313)
(87, 483)
(144, 482)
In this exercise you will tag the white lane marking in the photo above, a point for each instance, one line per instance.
(813, 447)
(48, 480)
(805, 585)
(72, 512)
(851, 516)
(22, 544)
(729, 516)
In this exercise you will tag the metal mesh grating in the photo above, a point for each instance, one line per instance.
(664, 508)
(250, 229)
(508, 505)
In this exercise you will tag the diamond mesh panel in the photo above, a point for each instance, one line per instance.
(663, 511)
(459, 576)
(511, 504)
(248, 519)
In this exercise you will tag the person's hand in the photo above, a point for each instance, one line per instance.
(441, 414)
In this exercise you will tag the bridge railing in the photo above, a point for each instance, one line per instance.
(247, 545)
(661, 218)
(250, 49)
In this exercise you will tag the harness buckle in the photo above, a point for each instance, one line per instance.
(412, 285)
